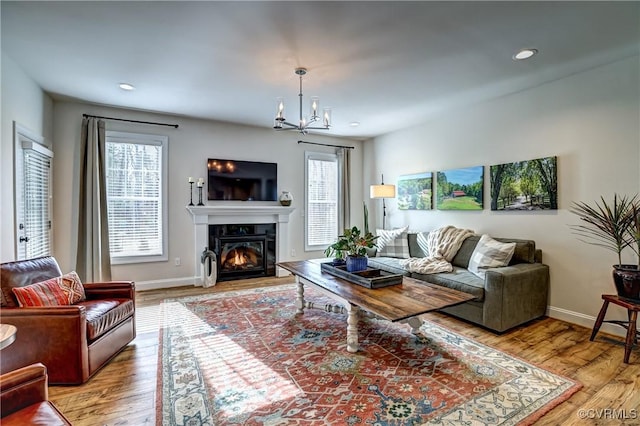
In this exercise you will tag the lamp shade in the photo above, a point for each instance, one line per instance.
(382, 191)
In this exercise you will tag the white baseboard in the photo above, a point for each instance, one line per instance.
(180, 282)
(584, 320)
(166, 283)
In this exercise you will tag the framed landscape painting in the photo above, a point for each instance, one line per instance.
(415, 192)
(460, 189)
(525, 185)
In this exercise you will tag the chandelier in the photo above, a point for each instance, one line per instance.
(304, 124)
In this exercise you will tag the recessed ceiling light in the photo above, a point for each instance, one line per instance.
(354, 124)
(127, 86)
(524, 54)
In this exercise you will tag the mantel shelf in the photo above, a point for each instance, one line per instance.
(241, 210)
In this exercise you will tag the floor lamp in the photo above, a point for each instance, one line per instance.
(382, 191)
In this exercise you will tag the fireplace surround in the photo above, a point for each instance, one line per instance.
(240, 213)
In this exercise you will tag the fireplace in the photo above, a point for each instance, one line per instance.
(244, 250)
(238, 213)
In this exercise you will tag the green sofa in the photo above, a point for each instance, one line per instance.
(507, 297)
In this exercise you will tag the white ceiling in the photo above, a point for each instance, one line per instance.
(388, 65)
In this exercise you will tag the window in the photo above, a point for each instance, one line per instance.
(136, 175)
(33, 195)
(321, 215)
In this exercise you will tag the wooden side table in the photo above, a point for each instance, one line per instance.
(631, 325)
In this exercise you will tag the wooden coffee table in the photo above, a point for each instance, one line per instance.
(398, 303)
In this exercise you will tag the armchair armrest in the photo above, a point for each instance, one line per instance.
(22, 387)
(110, 290)
(55, 336)
(515, 294)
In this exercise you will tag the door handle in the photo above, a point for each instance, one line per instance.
(24, 239)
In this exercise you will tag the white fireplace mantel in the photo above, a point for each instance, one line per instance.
(203, 216)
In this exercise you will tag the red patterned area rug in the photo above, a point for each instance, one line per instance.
(247, 358)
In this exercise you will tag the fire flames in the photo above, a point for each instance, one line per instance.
(240, 258)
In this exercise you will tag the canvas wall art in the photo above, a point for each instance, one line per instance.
(525, 185)
(415, 192)
(460, 189)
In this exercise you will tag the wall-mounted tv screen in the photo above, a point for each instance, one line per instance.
(242, 180)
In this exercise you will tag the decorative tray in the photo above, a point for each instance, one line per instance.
(369, 278)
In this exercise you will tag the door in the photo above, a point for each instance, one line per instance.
(32, 195)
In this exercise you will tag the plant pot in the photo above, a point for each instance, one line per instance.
(627, 281)
(356, 263)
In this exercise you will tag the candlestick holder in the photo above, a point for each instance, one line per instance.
(200, 203)
(191, 193)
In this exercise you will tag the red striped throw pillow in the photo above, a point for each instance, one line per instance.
(58, 291)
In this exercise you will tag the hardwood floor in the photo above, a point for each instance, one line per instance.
(124, 392)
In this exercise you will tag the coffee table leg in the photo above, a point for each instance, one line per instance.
(300, 298)
(415, 323)
(352, 329)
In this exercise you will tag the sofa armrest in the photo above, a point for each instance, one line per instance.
(515, 294)
(55, 336)
(110, 290)
(22, 387)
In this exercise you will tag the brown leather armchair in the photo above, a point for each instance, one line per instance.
(24, 398)
(72, 341)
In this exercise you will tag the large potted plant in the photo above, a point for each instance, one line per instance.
(353, 244)
(616, 227)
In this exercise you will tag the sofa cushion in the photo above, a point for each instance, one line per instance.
(64, 290)
(462, 257)
(490, 253)
(393, 243)
(103, 315)
(458, 279)
(525, 251)
(418, 244)
(389, 264)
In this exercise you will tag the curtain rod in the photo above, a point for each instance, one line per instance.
(132, 121)
(326, 144)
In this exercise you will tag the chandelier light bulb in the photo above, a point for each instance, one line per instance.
(326, 118)
(280, 109)
(315, 101)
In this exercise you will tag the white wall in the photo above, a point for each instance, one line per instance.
(25, 103)
(589, 120)
(189, 147)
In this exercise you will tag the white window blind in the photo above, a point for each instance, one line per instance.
(321, 200)
(35, 225)
(136, 197)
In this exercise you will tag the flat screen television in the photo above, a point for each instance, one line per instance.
(242, 180)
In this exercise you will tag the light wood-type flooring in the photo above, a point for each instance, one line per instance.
(124, 392)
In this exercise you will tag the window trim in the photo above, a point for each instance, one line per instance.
(156, 140)
(311, 155)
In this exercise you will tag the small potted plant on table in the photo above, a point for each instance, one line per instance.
(354, 245)
(616, 227)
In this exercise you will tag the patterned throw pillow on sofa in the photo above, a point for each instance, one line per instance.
(393, 243)
(58, 291)
(490, 253)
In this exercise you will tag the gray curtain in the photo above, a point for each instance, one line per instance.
(93, 262)
(344, 214)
